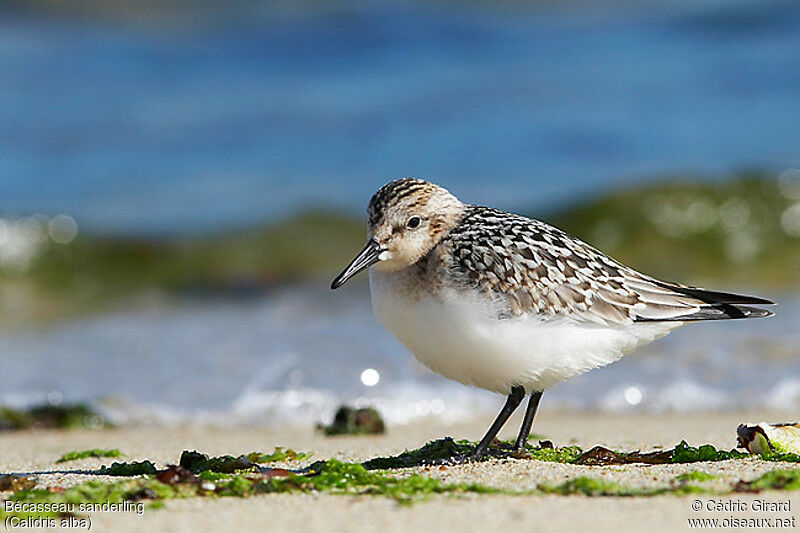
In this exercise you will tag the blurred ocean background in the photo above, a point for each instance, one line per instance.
(179, 183)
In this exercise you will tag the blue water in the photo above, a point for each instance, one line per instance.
(234, 120)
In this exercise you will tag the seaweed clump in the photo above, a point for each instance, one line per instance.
(197, 462)
(278, 455)
(352, 478)
(84, 454)
(47, 416)
(694, 475)
(683, 453)
(448, 451)
(352, 421)
(784, 479)
(433, 452)
(129, 469)
(13, 419)
(552, 454)
(596, 487)
(15, 482)
(776, 457)
(589, 486)
(599, 456)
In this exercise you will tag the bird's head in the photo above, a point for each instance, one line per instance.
(406, 218)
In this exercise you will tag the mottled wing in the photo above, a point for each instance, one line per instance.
(531, 268)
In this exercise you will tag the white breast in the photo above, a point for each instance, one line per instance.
(457, 335)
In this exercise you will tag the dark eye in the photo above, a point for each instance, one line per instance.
(413, 222)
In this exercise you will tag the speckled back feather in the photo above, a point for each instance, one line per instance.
(532, 268)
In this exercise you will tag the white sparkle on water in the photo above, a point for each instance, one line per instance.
(370, 377)
(633, 395)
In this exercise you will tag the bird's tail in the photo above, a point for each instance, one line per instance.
(715, 305)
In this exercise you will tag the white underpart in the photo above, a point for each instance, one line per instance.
(456, 334)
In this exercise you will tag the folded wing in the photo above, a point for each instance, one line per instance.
(530, 268)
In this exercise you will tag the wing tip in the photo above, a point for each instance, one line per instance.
(716, 297)
(716, 312)
(754, 300)
(730, 312)
(761, 313)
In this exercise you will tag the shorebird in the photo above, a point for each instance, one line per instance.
(512, 304)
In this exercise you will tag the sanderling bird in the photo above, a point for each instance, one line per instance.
(512, 304)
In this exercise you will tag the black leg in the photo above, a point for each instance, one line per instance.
(527, 422)
(512, 402)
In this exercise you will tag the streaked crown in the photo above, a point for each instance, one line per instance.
(408, 217)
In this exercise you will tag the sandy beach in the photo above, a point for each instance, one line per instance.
(36, 452)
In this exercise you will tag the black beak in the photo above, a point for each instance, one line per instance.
(365, 258)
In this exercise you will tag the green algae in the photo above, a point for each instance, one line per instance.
(68, 416)
(46, 416)
(564, 454)
(353, 479)
(13, 419)
(781, 457)
(240, 487)
(783, 479)
(209, 475)
(683, 453)
(694, 475)
(198, 462)
(83, 454)
(337, 477)
(589, 486)
(350, 478)
(442, 450)
(278, 455)
(431, 453)
(129, 469)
